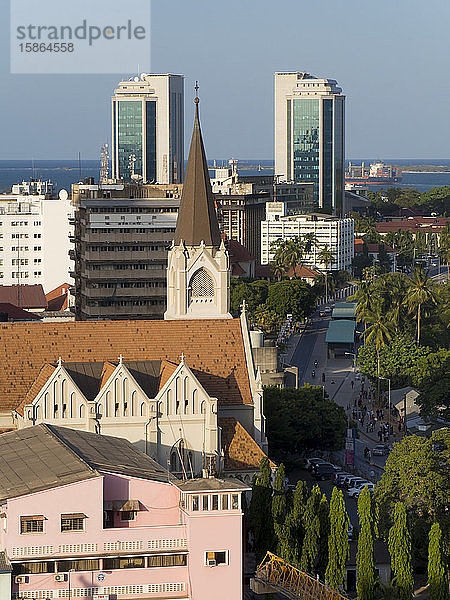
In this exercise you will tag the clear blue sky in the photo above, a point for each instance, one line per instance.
(390, 57)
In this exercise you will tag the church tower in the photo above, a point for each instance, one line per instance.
(198, 274)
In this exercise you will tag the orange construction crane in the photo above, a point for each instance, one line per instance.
(275, 573)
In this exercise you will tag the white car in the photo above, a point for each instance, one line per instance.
(354, 492)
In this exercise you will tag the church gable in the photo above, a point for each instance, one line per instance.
(59, 399)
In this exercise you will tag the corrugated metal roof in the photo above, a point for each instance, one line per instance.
(46, 456)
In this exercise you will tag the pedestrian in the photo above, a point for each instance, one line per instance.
(354, 403)
(352, 383)
(379, 435)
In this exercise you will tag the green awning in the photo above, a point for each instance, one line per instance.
(341, 332)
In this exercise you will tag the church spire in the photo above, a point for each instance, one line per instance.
(197, 218)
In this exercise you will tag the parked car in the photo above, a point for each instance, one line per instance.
(355, 491)
(346, 480)
(310, 462)
(355, 482)
(323, 471)
(339, 478)
(380, 450)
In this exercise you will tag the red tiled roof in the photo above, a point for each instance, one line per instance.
(25, 296)
(214, 348)
(58, 291)
(58, 299)
(167, 369)
(263, 271)
(108, 370)
(18, 314)
(240, 449)
(302, 272)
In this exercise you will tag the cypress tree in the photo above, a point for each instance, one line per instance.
(260, 511)
(400, 551)
(365, 566)
(279, 510)
(324, 520)
(437, 577)
(294, 531)
(337, 541)
(311, 526)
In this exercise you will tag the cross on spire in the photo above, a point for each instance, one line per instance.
(196, 92)
(120, 359)
(182, 357)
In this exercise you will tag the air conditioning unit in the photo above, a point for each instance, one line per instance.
(211, 562)
(21, 579)
(60, 577)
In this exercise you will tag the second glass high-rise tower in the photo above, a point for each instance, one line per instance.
(309, 135)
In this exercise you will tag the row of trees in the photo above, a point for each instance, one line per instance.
(312, 534)
(385, 306)
(435, 200)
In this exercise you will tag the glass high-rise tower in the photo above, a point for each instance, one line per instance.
(148, 129)
(309, 135)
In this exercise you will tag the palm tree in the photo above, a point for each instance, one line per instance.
(420, 290)
(380, 333)
(366, 302)
(326, 257)
(310, 242)
(278, 269)
(288, 253)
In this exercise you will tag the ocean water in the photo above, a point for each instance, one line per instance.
(65, 172)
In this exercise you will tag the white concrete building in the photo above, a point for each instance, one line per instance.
(148, 129)
(309, 135)
(34, 240)
(337, 233)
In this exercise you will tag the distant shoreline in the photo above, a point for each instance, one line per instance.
(425, 172)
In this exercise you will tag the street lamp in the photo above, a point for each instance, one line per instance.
(68, 577)
(389, 405)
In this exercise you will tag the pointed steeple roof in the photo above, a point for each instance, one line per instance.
(197, 218)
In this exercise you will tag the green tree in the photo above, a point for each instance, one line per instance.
(420, 292)
(361, 261)
(384, 261)
(366, 300)
(326, 257)
(253, 293)
(378, 333)
(400, 551)
(365, 565)
(260, 511)
(437, 576)
(291, 297)
(337, 541)
(324, 520)
(303, 419)
(294, 529)
(311, 524)
(279, 509)
(288, 252)
(417, 474)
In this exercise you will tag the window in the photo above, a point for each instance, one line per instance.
(167, 560)
(195, 504)
(127, 515)
(72, 522)
(205, 502)
(216, 558)
(224, 501)
(33, 568)
(130, 562)
(215, 502)
(88, 564)
(235, 502)
(32, 524)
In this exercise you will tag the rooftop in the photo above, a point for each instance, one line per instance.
(214, 348)
(341, 332)
(46, 456)
(211, 484)
(24, 296)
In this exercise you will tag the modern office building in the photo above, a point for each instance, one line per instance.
(336, 233)
(122, 235)
(241, 203)
(309, 135)
(148, 129)
(34, 236)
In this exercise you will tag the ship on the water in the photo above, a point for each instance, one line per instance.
(374, 173)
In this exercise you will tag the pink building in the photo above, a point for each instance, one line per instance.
(84, 515)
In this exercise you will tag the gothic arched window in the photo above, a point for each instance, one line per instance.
(201, 286)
